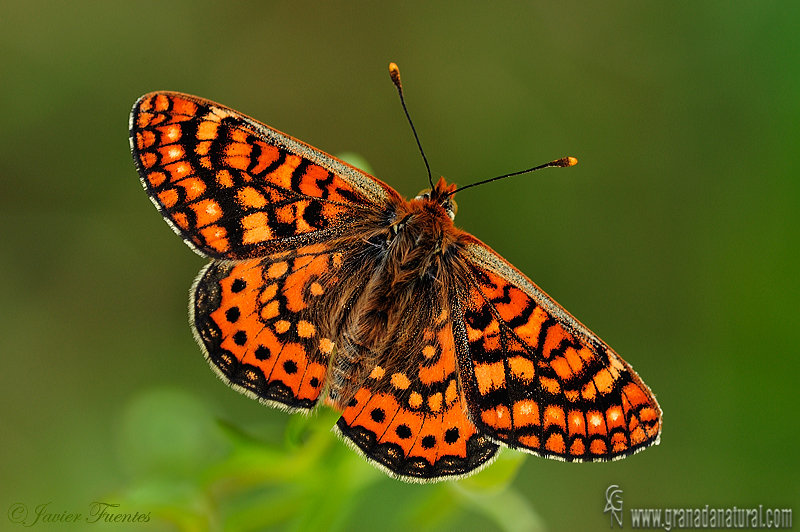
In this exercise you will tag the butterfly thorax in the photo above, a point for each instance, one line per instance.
(420, 238)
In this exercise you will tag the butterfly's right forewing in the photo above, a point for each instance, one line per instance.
(536, 379)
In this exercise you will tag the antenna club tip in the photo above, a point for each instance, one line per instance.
(566, 161)
(394, 73)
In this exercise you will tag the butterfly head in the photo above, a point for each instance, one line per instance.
(441, 195)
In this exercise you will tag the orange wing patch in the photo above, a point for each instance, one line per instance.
(254, 321)
(413, 423)
(533, 383)
(414, 445)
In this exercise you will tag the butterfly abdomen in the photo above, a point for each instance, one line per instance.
(406, 259)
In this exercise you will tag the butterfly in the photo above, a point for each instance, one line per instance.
(326, 286)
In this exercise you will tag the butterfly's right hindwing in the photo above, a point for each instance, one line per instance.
(408, 415)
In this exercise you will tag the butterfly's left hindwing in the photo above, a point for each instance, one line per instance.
(234, 188)
(257, 321)
(537, 380)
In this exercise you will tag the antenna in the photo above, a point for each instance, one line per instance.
(394, 73)
(561, 163)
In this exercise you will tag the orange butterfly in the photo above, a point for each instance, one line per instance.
(324, 283)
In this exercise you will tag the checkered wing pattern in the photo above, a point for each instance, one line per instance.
(539, 381)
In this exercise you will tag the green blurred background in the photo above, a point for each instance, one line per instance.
(675, 239)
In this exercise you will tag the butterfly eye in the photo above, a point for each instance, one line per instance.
(450, 207)
(424, 195)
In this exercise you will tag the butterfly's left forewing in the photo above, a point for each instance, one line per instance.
(234, 188)
(537, 380)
